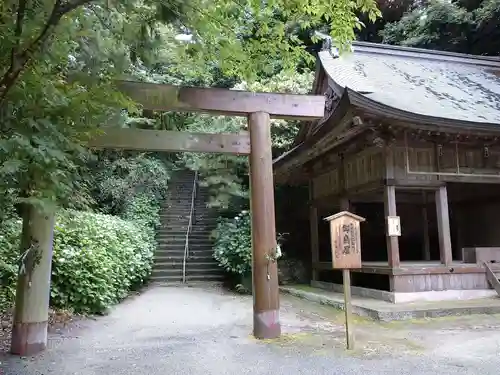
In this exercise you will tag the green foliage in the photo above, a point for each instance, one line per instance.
(449, 26)
(222, 174)
(238, 35)
(441, 24)
(118, 179)
(48, 118)
(233, 248)
(392, 11)
(249, 39)
(233, 244)
(144, 210)
(10, 237)
(283, 132)
(97, 260)
(59, 61)
(58, 64)
(42, 143)
(7, 204)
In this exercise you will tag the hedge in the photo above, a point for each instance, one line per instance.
(97, 260)
(10, 232)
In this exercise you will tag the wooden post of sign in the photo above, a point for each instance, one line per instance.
(345, 238)
(266, 324)
(349, 334)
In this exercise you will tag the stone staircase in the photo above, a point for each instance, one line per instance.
(171, 235)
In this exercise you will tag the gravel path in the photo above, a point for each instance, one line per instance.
(190, 331)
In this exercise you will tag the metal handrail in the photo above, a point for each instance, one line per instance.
(190, 224)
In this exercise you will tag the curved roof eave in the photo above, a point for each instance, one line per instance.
(377, 108)
(341, 110)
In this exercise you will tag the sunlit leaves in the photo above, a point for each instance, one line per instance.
(247, 36)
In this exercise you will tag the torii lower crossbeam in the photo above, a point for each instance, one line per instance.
(172, 141)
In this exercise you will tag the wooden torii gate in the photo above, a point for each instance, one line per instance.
(29, 334)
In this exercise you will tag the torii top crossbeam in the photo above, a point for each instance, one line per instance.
(162, 97)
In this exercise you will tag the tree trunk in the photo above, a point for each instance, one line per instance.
(29, 331)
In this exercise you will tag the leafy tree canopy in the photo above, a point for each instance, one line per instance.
(392, 11)
(462, 26)
(59, 59)
(239, 35)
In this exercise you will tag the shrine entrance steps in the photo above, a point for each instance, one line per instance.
(171, 235)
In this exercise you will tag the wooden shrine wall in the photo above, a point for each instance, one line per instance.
(369, 166)
(430, 157)
(357, 170)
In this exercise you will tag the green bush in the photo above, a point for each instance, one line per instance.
(97, 260)
(144, 209)
(121, 180)
(233, 248)
(233, 244)
(10, 237)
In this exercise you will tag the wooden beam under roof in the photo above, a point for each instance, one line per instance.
(171, 141)
(162, 97)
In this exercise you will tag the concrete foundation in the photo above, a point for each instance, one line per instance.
(394, 297)
(388, 311)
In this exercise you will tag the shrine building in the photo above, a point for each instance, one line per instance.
(412, 134)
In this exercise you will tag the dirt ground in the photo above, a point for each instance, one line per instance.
(168, 330)
(457, 337)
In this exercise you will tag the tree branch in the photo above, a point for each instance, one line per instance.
(21, 59)
(21, 11)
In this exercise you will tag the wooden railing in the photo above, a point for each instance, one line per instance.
(190, 225)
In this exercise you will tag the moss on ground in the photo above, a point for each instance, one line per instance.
(304, 287)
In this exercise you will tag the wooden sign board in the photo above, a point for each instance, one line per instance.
(393, 226)
(345, 240)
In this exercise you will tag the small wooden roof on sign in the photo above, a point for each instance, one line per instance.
(345, 213)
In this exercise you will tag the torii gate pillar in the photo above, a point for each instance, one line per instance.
(266, 324)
